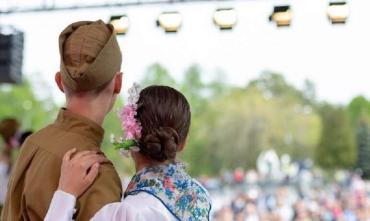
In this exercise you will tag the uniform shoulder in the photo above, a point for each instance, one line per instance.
(40, 135)
(58, 141)
(107, 188)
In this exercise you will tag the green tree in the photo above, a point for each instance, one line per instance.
(358, 107)
(157, 74)
(309, 92)
(232, 125)
(337, 147)
(20, 102)
(363, 146)
(193, 88)
(274, 85)
(245, 122)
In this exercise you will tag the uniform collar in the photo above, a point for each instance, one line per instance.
(75, 123)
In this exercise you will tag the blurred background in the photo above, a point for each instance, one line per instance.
(278, 89)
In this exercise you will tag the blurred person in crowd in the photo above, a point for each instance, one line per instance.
(90, 78)
(224, 214)
(238, 176)
(238, 204)
(301, 213)
(12, 138)
(283, 209)
(349, 213)
(8, 130)
(240, 216)
(251, 212)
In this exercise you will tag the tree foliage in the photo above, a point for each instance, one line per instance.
(20, 102)
(363, 146)
(337, 147)
(268, 114)
(357, 108)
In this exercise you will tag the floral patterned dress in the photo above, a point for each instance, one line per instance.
(183, 196)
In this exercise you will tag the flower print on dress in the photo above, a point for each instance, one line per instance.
(183, 196)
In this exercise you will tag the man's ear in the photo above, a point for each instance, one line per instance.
(117, 83)
(58, 80)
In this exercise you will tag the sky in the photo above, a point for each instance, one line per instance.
(336, 58)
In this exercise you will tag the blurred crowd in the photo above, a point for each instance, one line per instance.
(309, 195)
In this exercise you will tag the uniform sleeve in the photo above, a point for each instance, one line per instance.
(12, 208)
(40, 182)
(61, 207)
(106, 189)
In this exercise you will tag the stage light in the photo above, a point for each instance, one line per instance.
(338, 12)
(282, 15)
(170, 21)
(121, 24)
(225, 18)
(11, 54)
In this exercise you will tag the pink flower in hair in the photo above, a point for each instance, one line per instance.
(130, 125)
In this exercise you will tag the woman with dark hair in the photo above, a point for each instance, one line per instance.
(156, 123)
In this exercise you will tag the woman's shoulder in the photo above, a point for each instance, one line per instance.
(139, 207)
(141, 198)
(145, 203)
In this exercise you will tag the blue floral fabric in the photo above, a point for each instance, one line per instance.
(183, 196)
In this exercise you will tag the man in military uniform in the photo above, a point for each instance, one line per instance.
(91, 80)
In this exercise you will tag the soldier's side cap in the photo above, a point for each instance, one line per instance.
(101, 70)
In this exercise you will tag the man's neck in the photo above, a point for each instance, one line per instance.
(87, 111)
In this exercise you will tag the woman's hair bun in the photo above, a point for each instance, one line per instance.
(161, 144)
(164, 115)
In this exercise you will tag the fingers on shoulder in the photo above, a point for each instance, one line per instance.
(89, 160)
(93, 173)
(68, 155)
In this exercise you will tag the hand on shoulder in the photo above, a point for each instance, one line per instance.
(79, 170)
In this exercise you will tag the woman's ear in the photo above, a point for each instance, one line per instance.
(182, 145)
(117, 83)
(58, 80)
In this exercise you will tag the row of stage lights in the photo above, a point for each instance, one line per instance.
(226, 18)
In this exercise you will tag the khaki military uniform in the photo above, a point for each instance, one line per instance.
(36, 174)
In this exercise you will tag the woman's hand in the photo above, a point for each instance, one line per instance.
(79, 172)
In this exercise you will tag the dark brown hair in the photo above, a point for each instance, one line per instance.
(164, 114)
(8, 128)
